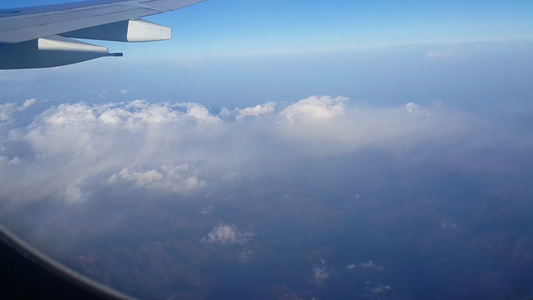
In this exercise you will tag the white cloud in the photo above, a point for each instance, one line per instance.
(71, 114)
(183, 147)
(322, 130)
(411, 107)
(315, 107)
(167, 178)
(141, 179)
(256, 111)
(6, 110)
(123, 92)
(73, 193)
(201, 114)
(139, 113)
(228, 234)
(132, 142)
(27, 103)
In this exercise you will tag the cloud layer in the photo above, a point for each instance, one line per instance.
(183, 147)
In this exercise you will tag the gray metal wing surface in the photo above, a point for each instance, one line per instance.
(43, 36)
(24, 24)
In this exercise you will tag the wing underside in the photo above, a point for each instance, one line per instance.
(19, 25)
(38, 37)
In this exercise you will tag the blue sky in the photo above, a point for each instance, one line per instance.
(245, 27)
(237, 53)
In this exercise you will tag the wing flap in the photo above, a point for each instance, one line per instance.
(24, 25)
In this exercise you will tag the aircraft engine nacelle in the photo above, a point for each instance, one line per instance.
(124, 31)
(47, 52)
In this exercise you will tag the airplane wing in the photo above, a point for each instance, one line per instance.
(41, 36)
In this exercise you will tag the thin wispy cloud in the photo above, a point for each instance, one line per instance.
(365, 265)
(320, 274)
(229, 234)
(376, 291)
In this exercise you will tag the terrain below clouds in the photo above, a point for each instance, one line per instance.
(323, 197)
